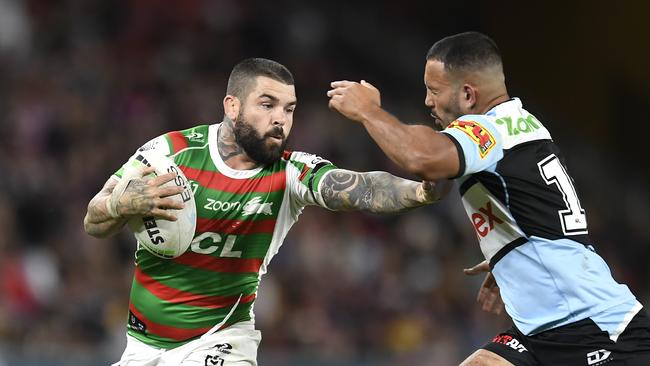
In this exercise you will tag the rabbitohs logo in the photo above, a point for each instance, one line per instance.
(255, 206)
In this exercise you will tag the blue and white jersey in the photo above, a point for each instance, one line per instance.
(530, 224)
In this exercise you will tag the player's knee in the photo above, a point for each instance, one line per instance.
(485, 358)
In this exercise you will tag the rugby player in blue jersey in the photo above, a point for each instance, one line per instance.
(532, 229)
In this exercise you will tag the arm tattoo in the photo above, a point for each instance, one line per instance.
(373, 191)
(226, 143)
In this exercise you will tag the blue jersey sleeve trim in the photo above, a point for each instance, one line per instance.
(506, 249)
(461, 156)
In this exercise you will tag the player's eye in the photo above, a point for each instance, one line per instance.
(267, 105)
(291, 109)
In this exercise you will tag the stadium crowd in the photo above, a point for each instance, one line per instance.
(83, 84)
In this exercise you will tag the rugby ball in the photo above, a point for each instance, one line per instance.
(164, 238)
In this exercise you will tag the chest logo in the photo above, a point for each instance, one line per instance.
(479, 134)
(255, 206)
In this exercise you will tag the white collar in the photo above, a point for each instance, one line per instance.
(220, 164)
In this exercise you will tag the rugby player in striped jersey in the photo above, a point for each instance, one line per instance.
(249, 190)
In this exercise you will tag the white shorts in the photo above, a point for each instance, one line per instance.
(236, 345)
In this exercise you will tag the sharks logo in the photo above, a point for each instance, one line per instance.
(255, 206)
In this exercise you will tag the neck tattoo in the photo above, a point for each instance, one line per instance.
(226, 143)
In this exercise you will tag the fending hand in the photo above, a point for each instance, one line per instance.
(354, 100)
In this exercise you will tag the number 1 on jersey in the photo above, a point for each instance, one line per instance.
(573, 219)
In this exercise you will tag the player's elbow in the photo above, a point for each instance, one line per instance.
(426, 167)
(92, 229)
(95, 229)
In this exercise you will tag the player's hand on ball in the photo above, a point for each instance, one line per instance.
(145, 196)
(354, 100)
(489, 296)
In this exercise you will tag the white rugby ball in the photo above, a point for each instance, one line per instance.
(164, 238)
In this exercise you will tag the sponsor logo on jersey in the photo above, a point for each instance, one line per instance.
(159, 143)
(600, 357)
(255, 206)
(136, 324)
(484, 220)
(310, 160)
(195, 136)
(213, 360)
(222, 206)
(222, 350)
(252, 207)
(521, 125)
(477, 133)
(510, 341)
(149, 146)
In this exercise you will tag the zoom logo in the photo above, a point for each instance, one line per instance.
(215, 205)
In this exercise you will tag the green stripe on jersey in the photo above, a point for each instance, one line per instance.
(177, 315)
(208, 283)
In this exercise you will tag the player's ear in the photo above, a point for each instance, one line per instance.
(469, 96)
(231, 105)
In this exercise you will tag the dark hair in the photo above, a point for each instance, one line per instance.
(466, 51)
(242, 77)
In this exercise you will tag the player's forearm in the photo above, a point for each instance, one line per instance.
(99, 222)
(418, 149)
(378, 192)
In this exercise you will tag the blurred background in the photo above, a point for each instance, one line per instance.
(85, 83)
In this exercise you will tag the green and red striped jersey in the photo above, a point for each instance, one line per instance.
(243, 217)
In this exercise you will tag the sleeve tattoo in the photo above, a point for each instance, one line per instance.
(380, 192)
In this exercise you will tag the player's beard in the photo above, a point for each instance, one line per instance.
(450, 113)
(256, 146)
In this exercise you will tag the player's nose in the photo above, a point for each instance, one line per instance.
(428, 101)
(279, 118)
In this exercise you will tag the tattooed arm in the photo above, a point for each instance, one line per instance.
(110, 209)
(379, 192)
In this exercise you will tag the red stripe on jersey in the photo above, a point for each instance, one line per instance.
(286, 154)
(219, 264)
(305, 169)
(176, 296)
(178, 141)
(215, 180)
(177, 334)
(238, 227)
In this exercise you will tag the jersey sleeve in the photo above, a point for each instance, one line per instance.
(305, 173)
(173, 142)
(478, 142)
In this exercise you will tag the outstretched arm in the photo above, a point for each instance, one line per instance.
(419, 149)
(379, 192)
